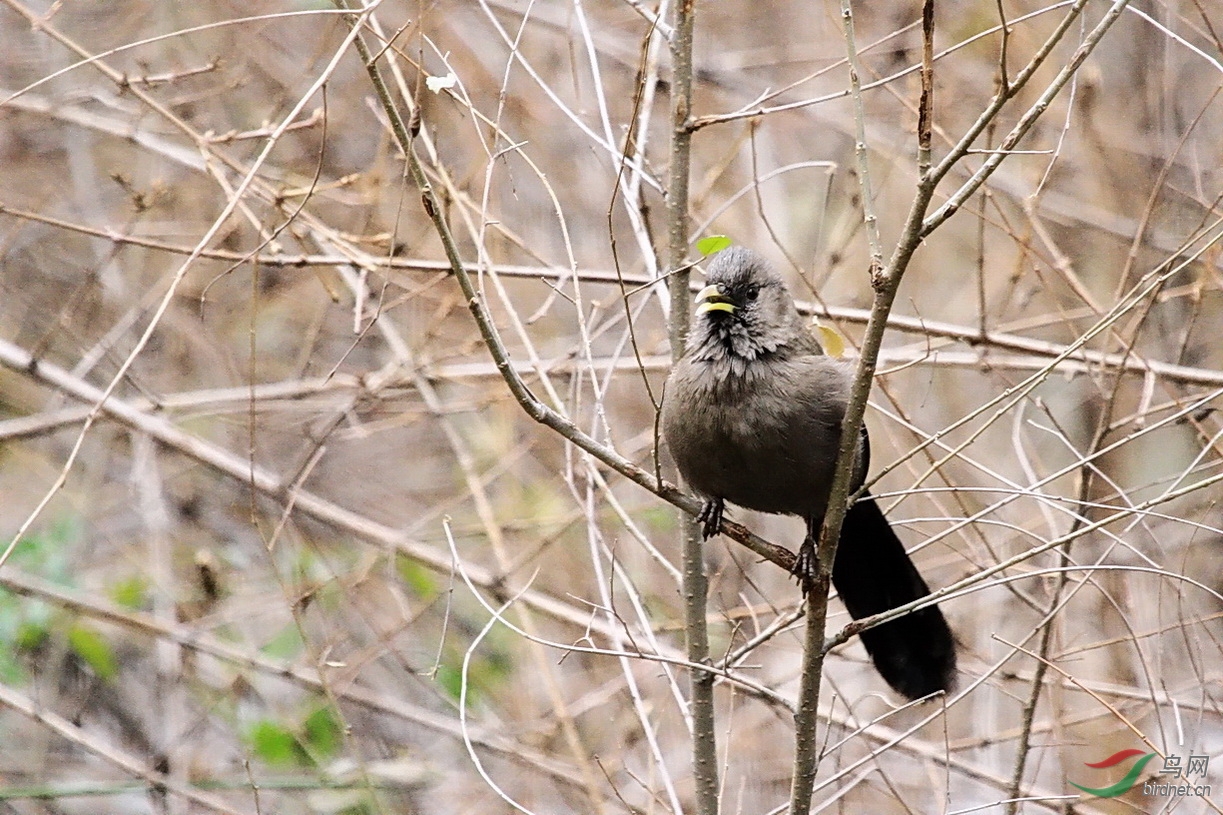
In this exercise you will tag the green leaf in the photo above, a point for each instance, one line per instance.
(274, 743)
(712, 244)
(661, 518)
(323, 732)
(486, 670)
(420, 580)
(50, 551)
(450, 677)
(131, 592)
(11, 671)
(94, 651)
(30, 635)
(285, 645)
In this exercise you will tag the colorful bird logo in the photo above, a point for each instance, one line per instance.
(1123, 786)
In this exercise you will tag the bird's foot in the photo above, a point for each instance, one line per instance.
(806, 565)
(711, 517)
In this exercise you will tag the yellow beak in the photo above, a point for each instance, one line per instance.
(711, 298)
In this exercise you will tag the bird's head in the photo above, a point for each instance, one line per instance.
(745, 310)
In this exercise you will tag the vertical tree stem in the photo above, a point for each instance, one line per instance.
(696, 587)
(885, 281)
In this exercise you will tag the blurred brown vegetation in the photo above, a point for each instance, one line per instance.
(252, 576)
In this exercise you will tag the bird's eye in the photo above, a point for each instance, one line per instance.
(753, 292)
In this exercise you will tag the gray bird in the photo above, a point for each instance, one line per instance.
(752, 415)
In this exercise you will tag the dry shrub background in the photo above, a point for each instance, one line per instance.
(253, 578)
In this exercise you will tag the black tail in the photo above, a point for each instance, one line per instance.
(914, 653)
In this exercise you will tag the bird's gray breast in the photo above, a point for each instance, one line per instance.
(764, 437)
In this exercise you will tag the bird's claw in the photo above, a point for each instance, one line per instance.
(805, 565)
(711, 517)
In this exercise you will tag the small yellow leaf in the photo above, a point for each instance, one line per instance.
(832, 342)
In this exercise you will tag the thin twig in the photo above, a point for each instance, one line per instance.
(1029, 118)
(109, 753)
